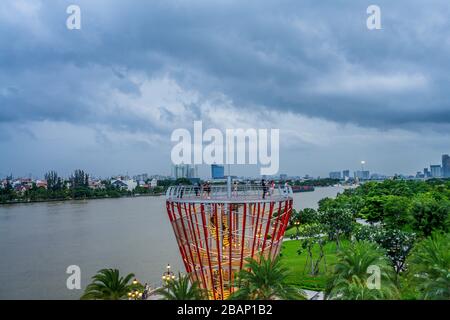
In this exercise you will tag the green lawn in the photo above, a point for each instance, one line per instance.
(300, 272)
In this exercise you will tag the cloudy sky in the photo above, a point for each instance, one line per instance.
(106, 98)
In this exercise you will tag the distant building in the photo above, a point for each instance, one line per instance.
(362, 175)
(217, 171)
(184, 171)
(283, 177)
(445, 166)
(141, 177)
(119, 184)
(153, 183)
(377, 176)
(346, 174)
(41, 184)
(426, 173)
(335, 175)
(435, 171)
(96, 184)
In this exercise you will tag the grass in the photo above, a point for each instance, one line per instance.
(299, 272)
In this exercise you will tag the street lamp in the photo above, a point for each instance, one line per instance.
(135, 293)
(297, 224)
(168, 275)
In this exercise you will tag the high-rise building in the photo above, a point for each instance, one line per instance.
(346, 174)
(436, 171)
(426, 173)
(362, 175)
(184, 171)
(217, 171)
(335, 175)
(445, 166)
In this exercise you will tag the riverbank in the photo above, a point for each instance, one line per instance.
(81, 199)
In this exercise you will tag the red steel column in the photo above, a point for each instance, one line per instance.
(267, 227)
(218, 248)
(230, 216)
(189, 245)
(202, 209)
(256, 231)
(243, 235)
(197, 246)
(180, 240)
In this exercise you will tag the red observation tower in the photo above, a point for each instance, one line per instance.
(218, 227)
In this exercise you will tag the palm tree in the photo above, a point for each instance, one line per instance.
(264, 280)
(350, 275)
(181, 289)
(109, 285)
(430, 267)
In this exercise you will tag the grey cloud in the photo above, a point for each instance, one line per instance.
(272, 54)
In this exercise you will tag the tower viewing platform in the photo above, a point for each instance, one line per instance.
(218, 228)
(225, 194)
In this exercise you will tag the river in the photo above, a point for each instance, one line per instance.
(38, 241)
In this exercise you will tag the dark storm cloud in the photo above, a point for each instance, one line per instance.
(309, 57)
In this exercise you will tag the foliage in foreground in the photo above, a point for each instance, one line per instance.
(264, 280)
(182, 289)
(396, 243)
(109, 285)
(350, 275)
(430, 267)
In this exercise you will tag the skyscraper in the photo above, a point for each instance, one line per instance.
(362, 174)
(346, 174)
(445, 166)
(184, 171)
(217, 171)
(335, 175)
(435, 170)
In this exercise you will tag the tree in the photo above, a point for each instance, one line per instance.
(396, 243)
(429, 214)
(183, 181)
(79, 179)
(350, 276)
(182, 289)
(264, 280)
(308, 215)
(430, 267)
(396, 212)
(312, 236)
(373, 209)
(109, 285)
(337, 221)
(54, 182)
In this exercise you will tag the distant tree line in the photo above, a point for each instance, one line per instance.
(75, 187)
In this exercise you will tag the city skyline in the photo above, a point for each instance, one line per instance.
(206, 172)
(106, 98)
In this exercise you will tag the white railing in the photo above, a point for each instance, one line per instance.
(223, 192)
